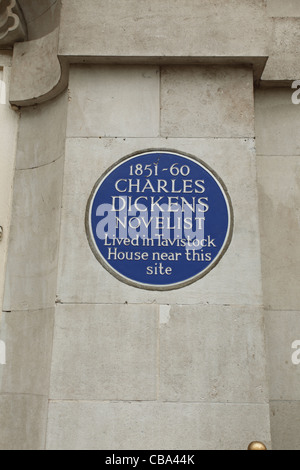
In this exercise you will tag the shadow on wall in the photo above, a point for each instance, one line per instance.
(41, 16)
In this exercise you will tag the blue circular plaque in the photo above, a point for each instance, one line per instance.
(159, 219)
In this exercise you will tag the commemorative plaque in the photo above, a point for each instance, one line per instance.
(159, 219)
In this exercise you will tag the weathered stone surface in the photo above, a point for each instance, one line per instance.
(283, 63)
(279, 202)
(285, 425)
(41, 16)
(212, 353)
(278, 8)
(282, 330)
(49, 123)
(32, 263)
(105, 352)
(233, 281)
(207, 102)
(109, 101)
(276, 122)
(162, 426)
(23, 422)
(47, 75)
(170, 28)
(8, 135)
(28, 338)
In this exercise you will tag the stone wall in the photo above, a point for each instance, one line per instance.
(278, 150)
(157, 363)
(28, 318)
(8, 135)
(93, 363)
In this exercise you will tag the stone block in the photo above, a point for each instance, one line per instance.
(23, 422)
(212, 354)
(172, 28)
(45, 78)
(5, 58)
(33, 253)
(278, 8)
(283, 63)
(28, 339)
(282, 330)
(207, 102)
(49, 124)
(279, 202)
(276, 122)
(235, 280)
(105, 352)
(33, 10)
(155, 426)
(109, 101)
(8, 137)
(285, 425)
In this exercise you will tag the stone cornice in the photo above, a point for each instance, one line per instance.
(12, 24)
(235, 32)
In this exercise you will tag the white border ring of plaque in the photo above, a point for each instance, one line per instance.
(159, 219)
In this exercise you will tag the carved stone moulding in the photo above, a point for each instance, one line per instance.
(12, 23)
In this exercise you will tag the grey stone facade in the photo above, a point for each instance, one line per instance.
(91, 362)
